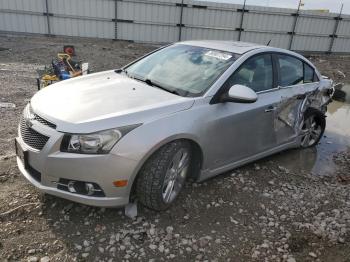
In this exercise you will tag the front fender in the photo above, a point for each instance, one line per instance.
(143, 141)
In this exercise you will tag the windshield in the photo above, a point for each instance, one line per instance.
(182, 69)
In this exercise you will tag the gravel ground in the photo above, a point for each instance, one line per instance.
(260, 212)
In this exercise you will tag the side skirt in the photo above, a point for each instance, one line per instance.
(206, 174)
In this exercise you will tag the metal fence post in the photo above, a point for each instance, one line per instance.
(292, 33)
(181, 16)
(240, 29)
(115, 19)
(334, 35)
(47, 14)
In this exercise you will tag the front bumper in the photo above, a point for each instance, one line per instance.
(87, 200)
(53, 166)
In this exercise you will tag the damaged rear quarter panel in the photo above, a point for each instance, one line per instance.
(295, 100)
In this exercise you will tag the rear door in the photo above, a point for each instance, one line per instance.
(295, 79)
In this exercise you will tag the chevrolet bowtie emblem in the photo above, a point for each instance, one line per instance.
(28, 119)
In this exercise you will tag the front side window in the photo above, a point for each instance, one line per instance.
(184, 69)
(255, 73)
(291, 70)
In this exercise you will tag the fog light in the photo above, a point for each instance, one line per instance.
(90, 189)
(71, 187)
(80, 187)
(120, 183)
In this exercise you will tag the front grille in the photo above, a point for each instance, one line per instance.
(44, 121)
(31, 137)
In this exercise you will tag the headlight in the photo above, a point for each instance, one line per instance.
(94, 143)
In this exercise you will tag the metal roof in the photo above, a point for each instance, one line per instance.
(229, 46)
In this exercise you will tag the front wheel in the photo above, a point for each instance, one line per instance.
(163, 176)
(313, 127)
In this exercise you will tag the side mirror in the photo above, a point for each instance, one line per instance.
(240, 94)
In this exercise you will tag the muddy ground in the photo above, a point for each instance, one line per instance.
(294, 206)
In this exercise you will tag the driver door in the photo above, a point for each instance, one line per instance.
(244, 130)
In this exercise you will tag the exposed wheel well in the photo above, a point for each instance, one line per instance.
(196, 165)
(320, 118)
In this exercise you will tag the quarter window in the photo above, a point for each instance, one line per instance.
(255, 73)
(291, 70)
(309, 74)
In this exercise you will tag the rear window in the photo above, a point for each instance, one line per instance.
(294, 71)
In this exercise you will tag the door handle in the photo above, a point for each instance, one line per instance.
(270, 109)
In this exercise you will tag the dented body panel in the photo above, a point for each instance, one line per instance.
(294, 102)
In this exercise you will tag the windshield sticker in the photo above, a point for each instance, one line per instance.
(218, 55)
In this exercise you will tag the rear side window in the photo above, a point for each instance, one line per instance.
(291, 70)
(255, 73)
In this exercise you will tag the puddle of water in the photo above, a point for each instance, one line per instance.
(319, 160)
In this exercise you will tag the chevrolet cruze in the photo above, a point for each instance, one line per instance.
(192, 109)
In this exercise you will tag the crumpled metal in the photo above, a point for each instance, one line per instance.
(290, 110)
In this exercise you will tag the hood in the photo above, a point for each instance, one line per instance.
(104, 100)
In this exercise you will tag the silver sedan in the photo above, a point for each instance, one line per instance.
(192, 109)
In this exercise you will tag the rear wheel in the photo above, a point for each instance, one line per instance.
(163, 176)
(313, 128)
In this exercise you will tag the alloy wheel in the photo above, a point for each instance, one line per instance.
(175, 175)
(311, 132)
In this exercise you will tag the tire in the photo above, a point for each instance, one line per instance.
(154, 184)
(312, 128)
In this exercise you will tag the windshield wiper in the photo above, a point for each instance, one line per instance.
(147, 81)
(151, 83)
(121, 70)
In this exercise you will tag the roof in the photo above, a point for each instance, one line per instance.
(228, 46)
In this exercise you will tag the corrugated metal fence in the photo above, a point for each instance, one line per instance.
(164, 21)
